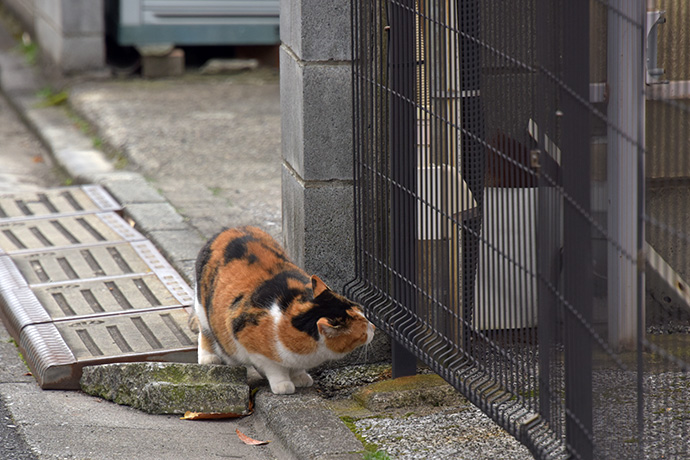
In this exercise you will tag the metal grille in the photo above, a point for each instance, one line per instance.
(79, 286)
(505, 154)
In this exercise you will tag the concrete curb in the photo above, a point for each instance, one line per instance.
(302, 422)
(307, 427)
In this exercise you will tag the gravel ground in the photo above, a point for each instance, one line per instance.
(424, 431)
(464, 433)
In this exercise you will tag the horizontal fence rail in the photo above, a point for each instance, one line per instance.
(522, 205)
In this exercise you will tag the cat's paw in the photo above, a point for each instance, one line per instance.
(208, 358)
(284, 387)
(302, 379)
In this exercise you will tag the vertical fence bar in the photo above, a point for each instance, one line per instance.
(578, 276)
(472, 151)
(403, 161)
(549, 223)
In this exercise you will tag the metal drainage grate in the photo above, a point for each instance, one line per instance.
(85, 288)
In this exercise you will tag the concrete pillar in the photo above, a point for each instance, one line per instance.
(316, 106)
(71, 33)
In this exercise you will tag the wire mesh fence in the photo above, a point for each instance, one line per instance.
(522, 199)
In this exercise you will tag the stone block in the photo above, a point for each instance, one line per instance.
(81, 53)
(74, 42)
(291, 101)
(82, 17)
(307, 428)
(318, 224)
(48, 9)
(83, 164)
(170, 65)
(48, 37)
(317, 136)
(290, 26)
(127, 188)
(178, 245)
(187, 269)
(170, 388)
(155, 216)
(316, 30)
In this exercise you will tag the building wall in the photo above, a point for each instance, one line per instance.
(316, 105)
(70, 33)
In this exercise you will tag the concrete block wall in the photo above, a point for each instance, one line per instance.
(316, 106)
(71, 33)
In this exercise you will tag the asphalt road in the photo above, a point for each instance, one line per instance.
(12, 446)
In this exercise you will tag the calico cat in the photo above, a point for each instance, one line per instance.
(255, 307)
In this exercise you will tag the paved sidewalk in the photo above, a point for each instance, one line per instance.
(187, 157)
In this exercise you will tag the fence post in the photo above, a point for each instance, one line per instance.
(472, 152)
(549, 213)
(626, 108)
(403, 164)
(577, 233)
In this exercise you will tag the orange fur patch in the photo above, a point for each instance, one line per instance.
(354, 336)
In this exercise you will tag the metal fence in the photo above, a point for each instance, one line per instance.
(522, 199)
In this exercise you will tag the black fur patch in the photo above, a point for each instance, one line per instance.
(237, 248)
(201, 262)
(208, 303)
(245, 319)
(276, 290)
(326, 306)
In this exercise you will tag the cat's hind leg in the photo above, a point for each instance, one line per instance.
(301, 378)
(205, 352)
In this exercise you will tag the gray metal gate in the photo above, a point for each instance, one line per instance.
(521, 208)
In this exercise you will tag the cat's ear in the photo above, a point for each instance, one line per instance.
(327, 329)
(318, 286)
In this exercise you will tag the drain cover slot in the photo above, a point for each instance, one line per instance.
(88, 298)
(64, 231)
(65, 200)
(115, 259)
(129, 334)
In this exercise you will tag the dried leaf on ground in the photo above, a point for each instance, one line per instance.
(189, 415)
(249, 441)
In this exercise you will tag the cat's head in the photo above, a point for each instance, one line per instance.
(336, 320)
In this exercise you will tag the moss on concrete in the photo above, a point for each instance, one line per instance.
(411, 382)
(416, 390)
(169, 388)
